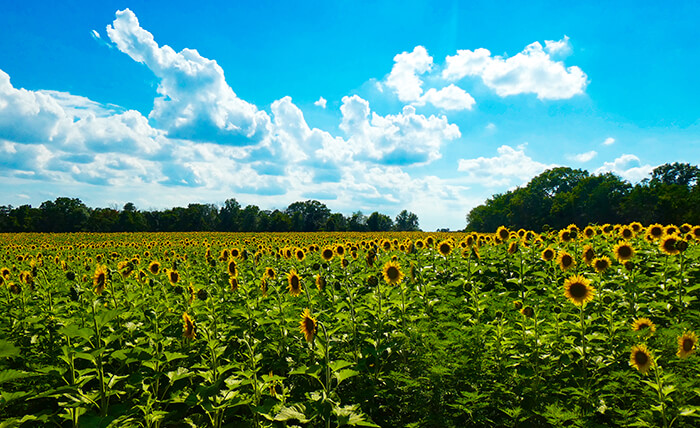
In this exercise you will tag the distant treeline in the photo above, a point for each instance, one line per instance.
(72, 215)
(562, 196)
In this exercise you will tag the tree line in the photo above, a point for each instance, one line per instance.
(72, 215)
(562, 196)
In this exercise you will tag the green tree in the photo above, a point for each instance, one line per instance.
(406, 221)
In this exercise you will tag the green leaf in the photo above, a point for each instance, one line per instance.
(295, 412)
(8, 349)
(11, 375)
(345, 374)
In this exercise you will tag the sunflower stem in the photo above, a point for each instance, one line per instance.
(659, 391)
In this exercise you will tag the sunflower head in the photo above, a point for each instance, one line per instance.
(307, 325)
(231, 268)
(528, 312)
(644, 325)
(392, 272)
(578, 290)
(589, 232)
(548, 254)
(270, 273)
(233, 283)
(641, 359)
(588, 254)
(444, 248)
(655, 231)
(626, 232)
(686, 344)
(173, 276)
(320, 282)
(327, 253)
(154, 267)
(601, 264)
(668, 245)
(188, 327)
(623, 251)
(339, 250)
(294, 283)
(565, 260)
(99, 279)
(513, 247)
(502, 233)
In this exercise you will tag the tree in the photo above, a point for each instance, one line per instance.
(228, 215)
(406, 221)
(336, 222)
(314, 215)
(64, 215)
(357, 222)
(379, 222)
(131, 220)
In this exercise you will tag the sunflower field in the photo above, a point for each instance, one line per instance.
(576, 327)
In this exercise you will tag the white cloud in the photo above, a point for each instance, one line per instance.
(530, 71)
(558, 47)
(402, 139)
(491, 126)
(510, 167)
(627, 166)
(95, 34)
(404, 74)
(321, 102)
(584, 157)
(448, 98)
(196, 103)
(609, 141)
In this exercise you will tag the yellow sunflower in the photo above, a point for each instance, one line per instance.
(601, 264)
(327, 253)
(578, 290)
(626, 232)
(548, 254)
(644, 325)
(294, 283)
(154, 267)
(444, 248)
(565, 260)
(641, 359)
(233, 283)
(503, 233)
(513, 247)
(99, 279)
(668, 245)
(588, 254)
(686, 344)
(270, 273)
(392, 272)
(231, 268)
(320, 282)
(188, 329)
(655, 231)
(173, 276)
(623, 251)
(307, 325)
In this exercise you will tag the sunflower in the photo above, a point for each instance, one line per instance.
(154, 267)
(420, 243)
(565, 260)
(188, 328)
(503, 233)
(686, 344)
(307, 325)
(601, 264)
(655, 231)
(231, 268)
(320, 282)
(623, 251)
(270, 273)
(173, 276)
(641, 359)
(548, 254)
(528, 312)
(99, 279)
(695, 232)
(589, 232)
(14, 288)
(626, 232)
(327, 253)
(5, 272)
(444, 248)
(299, 254)
(565, 235)
(578, 290)
(588, 254)
(513, 247)
(339, 250)
(667, 245)
(644, 325)
(294, 283)
(392, 272)
(233, 282)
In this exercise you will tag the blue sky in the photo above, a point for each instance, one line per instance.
(367, 105)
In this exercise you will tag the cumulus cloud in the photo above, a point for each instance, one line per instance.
(401, 139)
(510, 167)
(321, 102)
(609, 141)
(627, 166)
(584, 157)
(558, 47)
(404, 79)
(531, 71)
(195, 101)
(448, 98)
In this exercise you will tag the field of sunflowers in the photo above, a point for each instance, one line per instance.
(577, 327)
